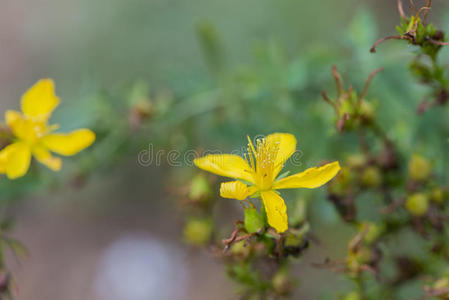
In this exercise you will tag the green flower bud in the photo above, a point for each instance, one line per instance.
(364, 255)
(366, 112)
(282, 284)
(346, 107)
(345, 176)
(198, 232)
(144, 107)
(437, 195)
(441, 284)
(417, 204)
(371, 177)
(345, 119)
(356, 161)
(356, 259)
(295, 239)
(240, 248)
(341, 182)
(353, 296)
(373, 231)
(419, 168)
(253, 220)
(199, 189)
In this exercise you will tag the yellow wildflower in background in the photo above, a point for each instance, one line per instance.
(33, 135)
(260, 169)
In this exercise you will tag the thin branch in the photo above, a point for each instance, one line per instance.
(367, 84)
(228, 241)
(393, 37)
(355, 242)
(341, 122)
(242, 237)
(243, 205)
(428, 5)
(279, 244)
(401, 10)
(426, 12)
(233, 238)
(438, 42)
(392, 207)
(338, 80)
(274, 233)
(331, 103)
(413, 7)
(349, 91)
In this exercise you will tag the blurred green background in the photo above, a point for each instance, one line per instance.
(217, 70)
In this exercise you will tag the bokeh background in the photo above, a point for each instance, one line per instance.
(109, 228)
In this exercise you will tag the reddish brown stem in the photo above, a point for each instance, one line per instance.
(413, 7)
(338, 80)
(393, 37)
(331, 103)
(392, 207)
(401, 10)
(438, 42)
(367, 84)
(427, 8)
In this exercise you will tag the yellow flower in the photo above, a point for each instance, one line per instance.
(34, 137)
(258, 172)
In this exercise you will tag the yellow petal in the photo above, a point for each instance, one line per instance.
(40, 100)
(3, 156)
(70, 143)
(236, 190)
(228, 165)
(310, 178)
(12, 117)
(44, 156)
(16, 123)
(15, 160)
(286, 144)
(276, 210)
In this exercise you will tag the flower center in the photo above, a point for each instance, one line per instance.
(262, 160)
(31, 131)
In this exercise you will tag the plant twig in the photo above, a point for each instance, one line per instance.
(367, 84)
(331, 103)
(413, 7)
(338, 80)
(401, 10)
(427, 8)
(438, 42)
(393, 37)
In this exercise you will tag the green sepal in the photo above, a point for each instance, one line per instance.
(283, 175)
(253, 220)
(245, 182)
(255, 195)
